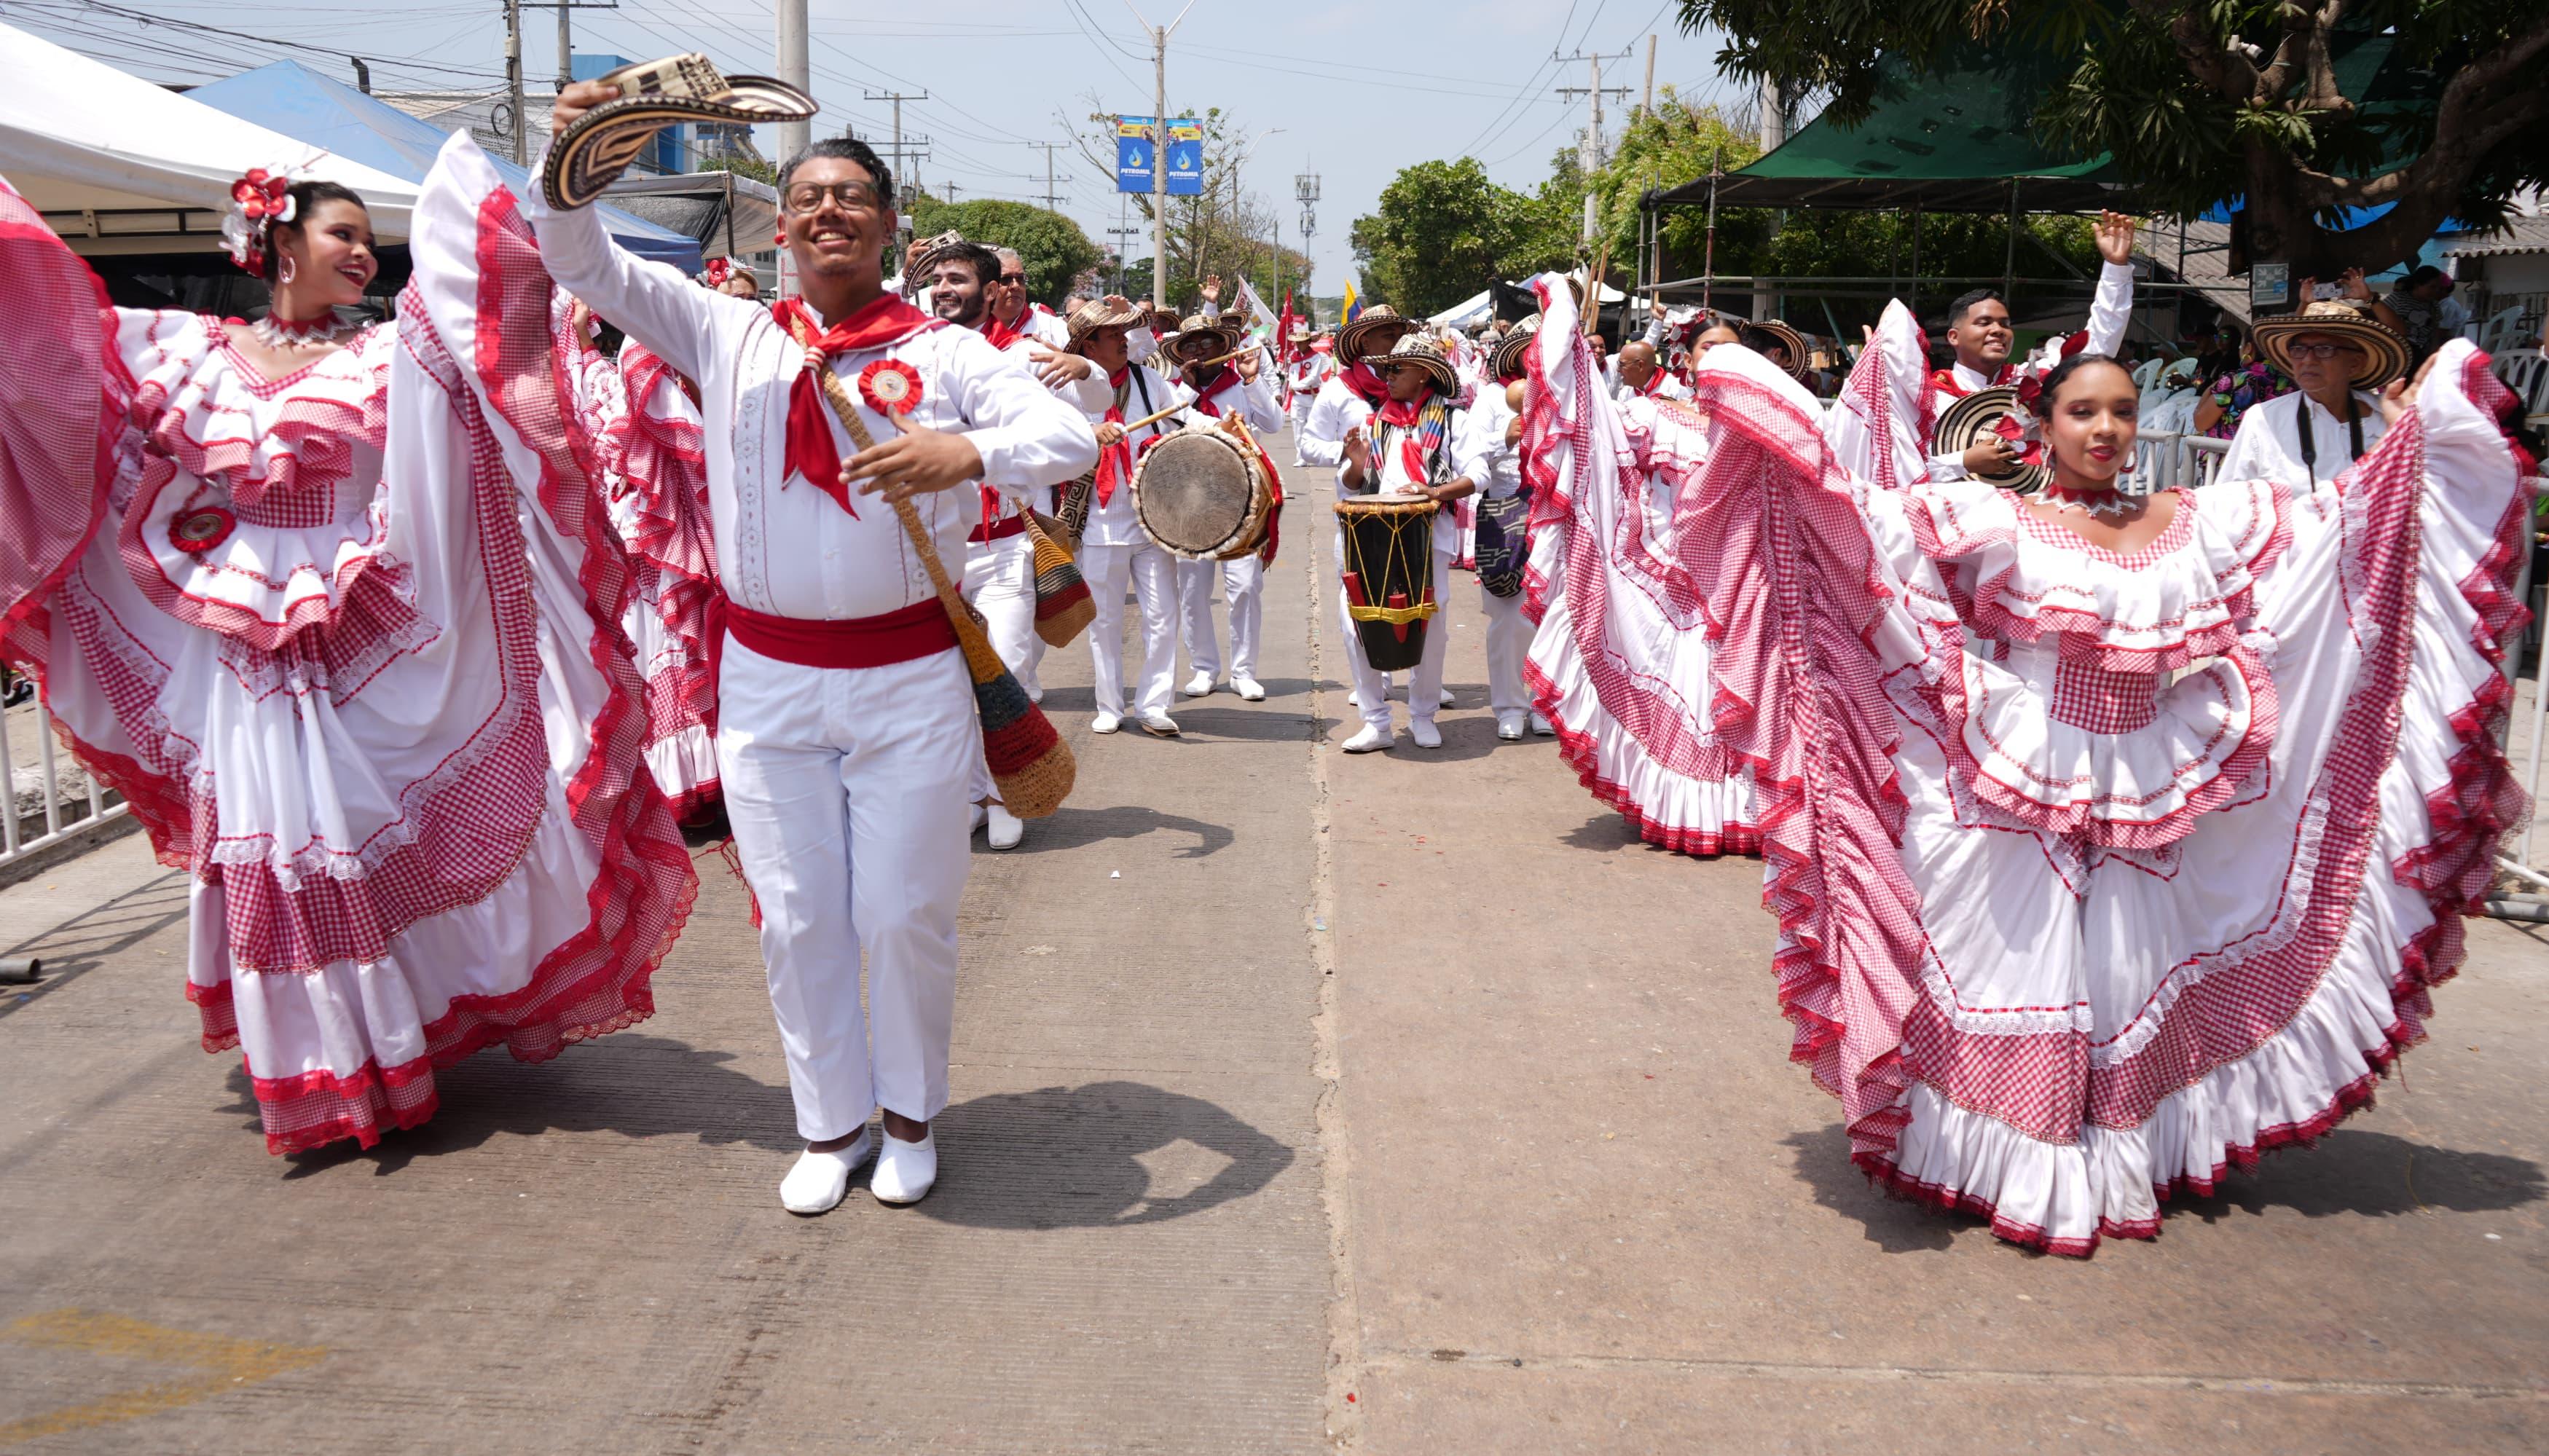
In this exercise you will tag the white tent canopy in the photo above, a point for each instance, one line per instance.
(1473, 310)
(118, 165)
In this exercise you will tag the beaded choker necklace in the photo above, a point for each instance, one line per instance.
(2108, 504)
(302, 334)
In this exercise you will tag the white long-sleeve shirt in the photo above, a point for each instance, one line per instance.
(2111, 309)
(783, 546)
(1481, 454)
(1333, 415)
(1089, 395)
(2267, 446)
(1112, 522)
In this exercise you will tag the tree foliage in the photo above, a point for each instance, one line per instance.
(1052, 245)
(1442, 229)
(2200, 100)
(1225, 229)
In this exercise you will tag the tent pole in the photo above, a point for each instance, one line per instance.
(1914, 302)
(2008, 267)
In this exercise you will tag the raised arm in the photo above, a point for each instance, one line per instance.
(2112, 306)
(652, 303)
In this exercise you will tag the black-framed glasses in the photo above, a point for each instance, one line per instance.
(2324, 350)
(1013, 278)
(854, 196)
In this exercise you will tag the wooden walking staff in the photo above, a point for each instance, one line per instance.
(1030, 764)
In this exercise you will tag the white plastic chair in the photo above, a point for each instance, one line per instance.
(2497, 334)
(2526, 373)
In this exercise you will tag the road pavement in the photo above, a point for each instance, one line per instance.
(1393, 1103)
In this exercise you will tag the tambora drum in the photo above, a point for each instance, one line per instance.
(1389, 575)
(1202, 495)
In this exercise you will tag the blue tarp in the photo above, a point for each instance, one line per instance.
(290, 98)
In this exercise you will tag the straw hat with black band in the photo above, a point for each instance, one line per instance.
(1354, 340)
(2386, 355)
(1788, 340)
(1975, 417)
(1201, 338)
(1162, 320)
(1098, 314)
(922, 254)
(1508, 361)
(590, 155)
(1416, 351)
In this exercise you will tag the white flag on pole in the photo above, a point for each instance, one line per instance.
(1258, 315)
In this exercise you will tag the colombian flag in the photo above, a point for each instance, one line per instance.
(1353, 308)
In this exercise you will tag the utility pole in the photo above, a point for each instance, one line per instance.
(1648, 106)
(566, 40)
(1160, 150)
(796, 69)
(1775, 131)
(1052, 197)
(1589, 152)
(514, 74)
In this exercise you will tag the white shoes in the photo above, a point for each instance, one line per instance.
(1354, 699)
(1106, 722)
(1509, 727)
(904, 1171)
(1007, 828)
(1198, 685)
(1248, 688)
(1446, 695)
(1158, 725)
(1423, 732)
(1540, 726)
(819, 1180)
(1370, 738)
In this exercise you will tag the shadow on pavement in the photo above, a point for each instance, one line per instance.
(1071, 829)
(96, 936)
(1201, 719)
(2351, 1170)
(1066, 1157)
(637, 1086)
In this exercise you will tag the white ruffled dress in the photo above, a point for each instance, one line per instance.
(346, 642)
(2100, 874)
(1621, 651)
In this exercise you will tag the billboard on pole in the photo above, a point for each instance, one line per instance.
(1136, 149)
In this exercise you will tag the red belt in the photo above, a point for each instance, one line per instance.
(915, 631)
(996, 530)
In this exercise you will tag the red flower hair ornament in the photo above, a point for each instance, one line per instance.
(258, 201)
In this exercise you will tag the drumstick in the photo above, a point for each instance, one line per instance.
(1133, 426)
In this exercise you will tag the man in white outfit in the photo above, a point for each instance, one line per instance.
(1487, 451)
(1239, 387)
(847, 740)
(1000, 555)
(1352, 390)
(1978, 329)
(1312, 362)
(1114, 551)
(2340, 357)
(1406, 448)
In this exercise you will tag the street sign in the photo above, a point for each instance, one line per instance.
(1134, 148)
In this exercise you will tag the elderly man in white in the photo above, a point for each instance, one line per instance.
(847, 738)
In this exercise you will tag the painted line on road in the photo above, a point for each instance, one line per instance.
(224, 1363)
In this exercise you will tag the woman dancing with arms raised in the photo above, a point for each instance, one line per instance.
(333, 608)
(2156, 876)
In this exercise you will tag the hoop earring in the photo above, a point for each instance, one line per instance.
(283, 270)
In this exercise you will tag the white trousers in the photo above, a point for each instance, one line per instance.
(1508, 641)
(1107, 569)
(847, 787)
(1242, 585)
(999, 580)
(1425, 684)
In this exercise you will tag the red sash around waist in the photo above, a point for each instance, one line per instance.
(996, 530)
(900, 636)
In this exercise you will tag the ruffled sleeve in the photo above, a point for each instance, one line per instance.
(1881, 421)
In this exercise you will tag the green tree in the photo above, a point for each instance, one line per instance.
(1052, 245)
(2200, 100)
(1441, 231)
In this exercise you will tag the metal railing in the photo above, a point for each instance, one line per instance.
(2163, 460)
(58, 814)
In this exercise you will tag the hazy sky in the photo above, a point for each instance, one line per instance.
(1358, 89)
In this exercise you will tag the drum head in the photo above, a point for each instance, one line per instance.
(1193, 493)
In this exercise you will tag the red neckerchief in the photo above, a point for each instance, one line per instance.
(1001, 334)
(1373, 390)
(1222, 379)
(1945, 380)
(1115, 461)
(1653, 388)
(1402, 415)
(811, 453)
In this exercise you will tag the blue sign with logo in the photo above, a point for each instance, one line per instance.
(1136, 150)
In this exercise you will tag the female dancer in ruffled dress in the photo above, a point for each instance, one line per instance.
(2158, 871)
(333, 608)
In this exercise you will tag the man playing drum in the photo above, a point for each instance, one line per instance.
(1406, 448)
(1215, 384)
(1115, 549)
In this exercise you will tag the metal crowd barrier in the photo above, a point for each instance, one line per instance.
(64, 817)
